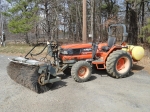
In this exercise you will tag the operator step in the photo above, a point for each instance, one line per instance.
(100, 60)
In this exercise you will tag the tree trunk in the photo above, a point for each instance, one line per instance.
(133, 28)
(80, 23)
(36, 33)
(84, 32)
(127, 13)
(93, 20)
(64, 22)
(100, 24)
(27, 38)
(47, 20)
(143, 5)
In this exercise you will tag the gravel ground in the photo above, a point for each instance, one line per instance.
(101, 94)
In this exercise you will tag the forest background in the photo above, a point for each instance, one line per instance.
(33, 21)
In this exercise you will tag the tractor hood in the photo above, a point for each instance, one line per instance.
(77, 46)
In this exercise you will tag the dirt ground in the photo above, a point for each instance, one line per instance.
(100, 94)
(144, 64)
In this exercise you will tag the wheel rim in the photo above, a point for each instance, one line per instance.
(41, 79)
(83, 72)
(122, 65)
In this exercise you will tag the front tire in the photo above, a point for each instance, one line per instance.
(119, 64)
(81, 71)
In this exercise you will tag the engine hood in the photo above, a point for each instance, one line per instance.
(76, 46)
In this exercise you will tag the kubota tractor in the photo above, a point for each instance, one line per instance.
(77, 60)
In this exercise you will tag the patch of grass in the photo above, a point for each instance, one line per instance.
(20, 49)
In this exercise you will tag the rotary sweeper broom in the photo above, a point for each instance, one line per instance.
(36, 75)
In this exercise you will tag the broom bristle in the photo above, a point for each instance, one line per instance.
(27, 76)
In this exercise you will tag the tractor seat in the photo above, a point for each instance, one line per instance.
(111, 42)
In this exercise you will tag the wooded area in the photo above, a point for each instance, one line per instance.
(36, 20)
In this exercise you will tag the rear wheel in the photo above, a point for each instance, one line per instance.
(119, 64)
(81, 71)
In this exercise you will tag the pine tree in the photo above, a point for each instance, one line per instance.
(23, 15)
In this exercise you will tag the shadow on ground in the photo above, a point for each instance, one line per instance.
(103, 73)
(63, 76)
(92, 78)
(61, 83)
(137, 67)
(58, 85)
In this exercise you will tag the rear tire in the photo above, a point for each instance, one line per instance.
(119, 64)
(81, 71)
(27, 76)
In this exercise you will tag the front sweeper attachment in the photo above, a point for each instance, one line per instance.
(36, 75)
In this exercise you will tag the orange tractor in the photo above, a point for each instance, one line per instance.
(116, 59)
(77, 60)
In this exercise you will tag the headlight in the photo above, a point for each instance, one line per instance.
(62, 51)
(66, 51)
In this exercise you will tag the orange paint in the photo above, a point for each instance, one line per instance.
(88, 55)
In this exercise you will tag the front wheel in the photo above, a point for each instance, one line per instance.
(81, 71)
(119, 64)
